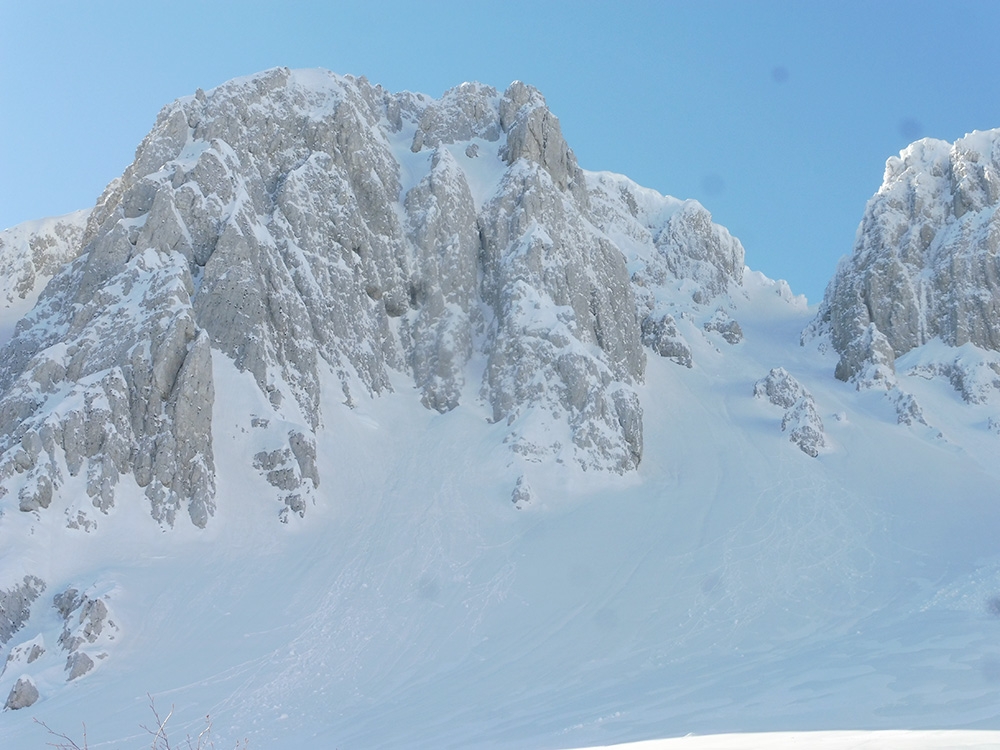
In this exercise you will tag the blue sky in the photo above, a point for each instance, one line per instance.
(778, 116)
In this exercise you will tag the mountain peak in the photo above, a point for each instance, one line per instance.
(310, 227)
(924, 262)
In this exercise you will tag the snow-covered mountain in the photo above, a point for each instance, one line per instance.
(362, 419)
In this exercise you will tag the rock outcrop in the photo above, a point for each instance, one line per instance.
(15, 605)
(801, 419)
(87, 627)
(31, 254)
(682, 264)
(925, 263)
(660, 333)
(24, 654)
(301, 223)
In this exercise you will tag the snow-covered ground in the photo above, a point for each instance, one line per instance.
(885, 740)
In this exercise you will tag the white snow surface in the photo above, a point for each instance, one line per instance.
(730, 584)
(732, 587)
(893, 740)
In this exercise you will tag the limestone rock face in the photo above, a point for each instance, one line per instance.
(725, 326)
(804, 427)
(682, 265)
(315, 228)
(925, 263)
(533, 134)
(24, 654)
(116, 381)
(463, 113)
(442, 225)
(15, 605)
(31, 253)
(695, 248)
(565, 334)
(779, 388)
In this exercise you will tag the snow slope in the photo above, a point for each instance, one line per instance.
(444, 590)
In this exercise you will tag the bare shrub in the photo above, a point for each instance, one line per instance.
(158, 731)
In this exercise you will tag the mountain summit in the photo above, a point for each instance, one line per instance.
(365, 418)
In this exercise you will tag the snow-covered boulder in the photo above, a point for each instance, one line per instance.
(801, 419)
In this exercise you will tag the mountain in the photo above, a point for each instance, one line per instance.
(353, 418)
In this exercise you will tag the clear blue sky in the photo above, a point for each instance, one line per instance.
(778, 116)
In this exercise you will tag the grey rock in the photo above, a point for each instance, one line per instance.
(78, 664)
(925, 263)
(22, 695)
(779, 388)
(682, 248)
(31, 253)
(86, 620)
(442, 226)
(292, 470)
(522, 495)
(565, 335)
(137, 372)
(663, 337)
(729, 329)
(25, 653)
(696, 248)
(976, 379)
(908, 411)
(465, 112)
(804, 426)
(533, 133)
(868, 359)
(801, 419)
(15, 605)
(269, 221)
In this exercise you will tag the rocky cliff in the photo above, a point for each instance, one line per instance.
(925, 263)
(302, 224)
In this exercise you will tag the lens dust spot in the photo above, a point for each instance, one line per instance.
(428, 588)
(713, 184)
(911, 129)
(993, 605)
(779, 74)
